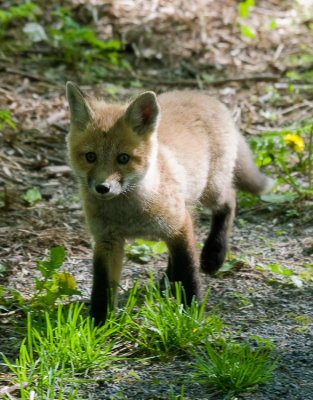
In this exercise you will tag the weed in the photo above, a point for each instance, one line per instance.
(54, 285)
(164, 326)
(2, 270)
(63, 348)
(5, 117)
(79, 43)
(172, 396)
(295, 279)
(32, 196)
(242, 299)
(290, 155)
(307, 275)
(142, 251)
(27, 10)
(10, 299)
(62, 352)
(243, 10)
(233, 367)
(246, 200)
(50, 288)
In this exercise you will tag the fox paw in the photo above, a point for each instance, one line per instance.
(212, 257)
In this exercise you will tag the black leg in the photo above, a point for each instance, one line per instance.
(107, 267)
(101, 296)
(215, 248)
(184, 261)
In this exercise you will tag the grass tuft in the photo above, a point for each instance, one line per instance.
(165, 326)
(233, 367)
(64, 348)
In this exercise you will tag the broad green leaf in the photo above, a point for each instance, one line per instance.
(279, 269)
(278, 197)
(32, 196)
(227, 266)
(159, 248)
(57, 256)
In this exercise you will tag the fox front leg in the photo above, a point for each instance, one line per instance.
(107, 267)
(183, 263)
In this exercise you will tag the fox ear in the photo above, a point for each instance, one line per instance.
(80, 110)
(142, 114)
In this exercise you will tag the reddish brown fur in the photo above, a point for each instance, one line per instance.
(186, 154)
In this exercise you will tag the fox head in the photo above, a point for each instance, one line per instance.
(111, 147)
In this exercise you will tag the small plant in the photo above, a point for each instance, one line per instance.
(307, 275)
(142, 251)
(233, 367)
(32, 196)
(172, 396)
(163, 325)
(5, 117)
(290, 155)
(2, 270)
(27, 10)
(241, 298)
(295, 279)
(54, 285)
(243, 10)
(79, 43)
(59, 355)
(10, 299)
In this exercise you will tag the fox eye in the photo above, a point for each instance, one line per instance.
(91, 157)
(123, 158)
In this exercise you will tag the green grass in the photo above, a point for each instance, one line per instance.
(164, 326)
(233, 367)
(60, 352)
(63, 352)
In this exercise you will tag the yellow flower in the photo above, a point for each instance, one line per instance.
(67, 279)
(294, 141)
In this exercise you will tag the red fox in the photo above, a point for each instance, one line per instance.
(142, 166)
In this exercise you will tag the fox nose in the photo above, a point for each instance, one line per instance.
(103, 188)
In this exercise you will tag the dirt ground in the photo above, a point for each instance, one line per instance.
(170, 45)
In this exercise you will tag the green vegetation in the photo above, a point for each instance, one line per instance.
(51, 287)
(5, 117)
(78, 43)
(63, 351)
(27, 10)
(54, 285)
(163, 326)
(289, 154)
(142, 251)
(233, 367)
(243, 10)
(74, 45)
(295, 279)
(59, 353)
(32, 196)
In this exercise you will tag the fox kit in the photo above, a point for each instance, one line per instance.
(142, 166)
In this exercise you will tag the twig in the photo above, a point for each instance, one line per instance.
(219, 82)
(31, 76)
(9, 389)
